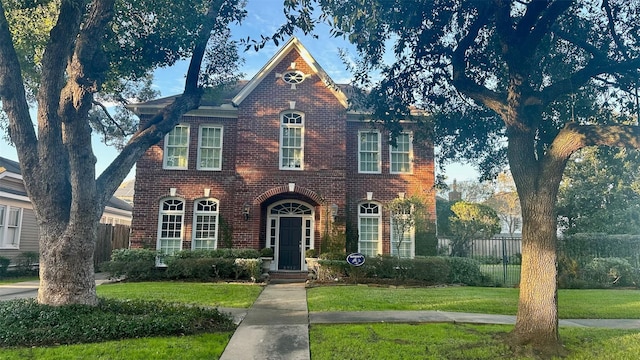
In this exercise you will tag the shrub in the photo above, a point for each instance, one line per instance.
(430, 269)
(134, 264)
(27, 323)
(465, 271)
(266, 252)
(27, 263)
(607, 272)
(248, 268)
(311, 253)
(4, 265)
(218, 253)
(191, 268)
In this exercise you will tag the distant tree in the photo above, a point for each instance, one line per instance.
(471, 221)
(404, 213)
(66, 55)
(506, 203)
(475, 191)
(600, 192)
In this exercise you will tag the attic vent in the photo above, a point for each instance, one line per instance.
(293, 77)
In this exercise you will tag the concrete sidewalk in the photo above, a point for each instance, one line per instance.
(29, 289)
(275, 327)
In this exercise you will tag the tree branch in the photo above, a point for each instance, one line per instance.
(163, 122)
(14, 100)
(460, 80)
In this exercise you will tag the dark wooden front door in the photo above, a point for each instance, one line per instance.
(289, 256)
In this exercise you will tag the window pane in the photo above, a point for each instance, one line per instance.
(205, 232)
(369, 153)
(210, 150)
(177, 147)
(401, 154)
(291, 143)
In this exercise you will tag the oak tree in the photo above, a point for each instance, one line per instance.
(88, 50)
(500, 78)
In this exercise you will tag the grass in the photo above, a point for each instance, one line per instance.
(17, 279)
(204, 346)
(203, 294)
(497, 273)
(589, 304)
(457, 341)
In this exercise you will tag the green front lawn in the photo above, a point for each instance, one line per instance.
(457, 341)
(203, 294)
(590, 304)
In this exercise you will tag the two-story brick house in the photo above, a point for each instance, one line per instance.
(273, 164)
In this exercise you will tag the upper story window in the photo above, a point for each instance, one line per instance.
(170, 226)
(205, 224)
(401, 155)
(10, 224)
(291, 141)
(176, 148)
(369, 152)
(210, 148)
(369, 229)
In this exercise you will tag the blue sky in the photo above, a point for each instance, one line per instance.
(263, 18)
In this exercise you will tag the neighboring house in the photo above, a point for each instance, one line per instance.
(276, 162)
(125, 191)
(18, 226)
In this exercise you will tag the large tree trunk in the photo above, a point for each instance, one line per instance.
(537, 181)
(66, 264)
(537, 319)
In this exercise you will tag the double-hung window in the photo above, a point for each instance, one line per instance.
(10, 224)
(205, 225)
(369, 152)
(170, 227)
(176, 148)
(291, 141)
(401, 154)
(210, 148)
(369, 229)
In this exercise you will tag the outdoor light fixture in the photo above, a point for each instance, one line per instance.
(334, 210)
(246, 210)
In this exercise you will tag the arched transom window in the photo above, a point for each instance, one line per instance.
(291, 208)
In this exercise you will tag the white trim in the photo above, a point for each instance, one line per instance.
(276, 227)
(360, 132)
(159, 226)
(391, 151)
(4, 221)
(377, 216)
(293, 43)
(164, 153)
(11, 196)
(199, 149)
(300, 126)
(195, 219)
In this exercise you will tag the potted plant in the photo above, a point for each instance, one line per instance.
(266, 255)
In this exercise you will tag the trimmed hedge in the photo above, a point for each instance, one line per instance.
(429, 270)
(201, 265)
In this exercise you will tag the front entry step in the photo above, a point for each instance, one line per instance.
(288, 276)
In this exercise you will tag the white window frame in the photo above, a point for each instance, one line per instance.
(362, 151)
(214, 148)
(213, 214)
(161, 240)
(408, 249)
(368, 216)
(409, 154)
(168, 147)
(283, 126)
(5, 216)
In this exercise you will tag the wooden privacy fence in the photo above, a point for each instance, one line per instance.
(110, 237)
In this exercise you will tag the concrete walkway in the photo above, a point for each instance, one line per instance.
(275, 327)
(29, 289)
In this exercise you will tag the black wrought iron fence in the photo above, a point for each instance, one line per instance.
(499, 257)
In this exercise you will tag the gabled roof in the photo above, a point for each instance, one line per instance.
(9, 166)
(292, 44)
